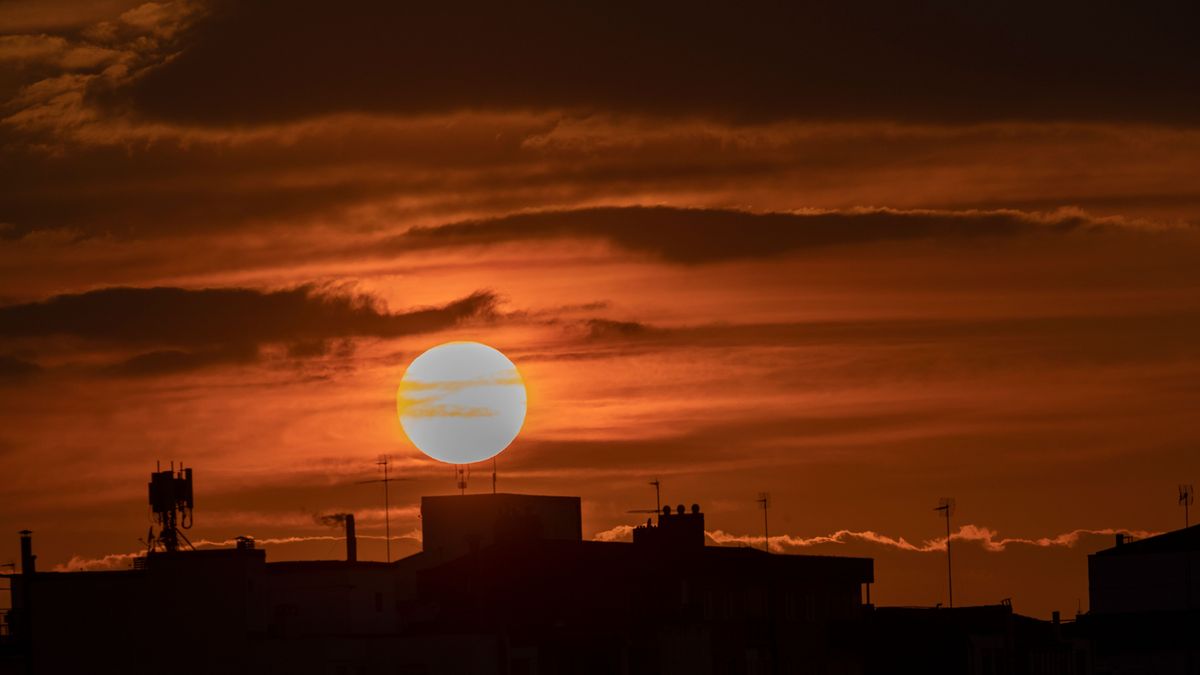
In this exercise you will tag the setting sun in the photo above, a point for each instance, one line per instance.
(461, 402)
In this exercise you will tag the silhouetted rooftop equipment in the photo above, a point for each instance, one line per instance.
(1187, 496)
(462, 473)
(351, 539)
(764, 500)
(28, 559)
(346, 521)
(945, 508)
(387, 510)
(657, 499)
(680, 529)
(172, 503)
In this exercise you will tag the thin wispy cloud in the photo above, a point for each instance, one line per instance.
(114, 561)
(985, 537)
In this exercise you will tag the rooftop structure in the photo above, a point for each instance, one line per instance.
(505, 584)
(1160, 573)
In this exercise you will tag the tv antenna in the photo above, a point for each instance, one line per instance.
(657, 499)
(946, 507)
(171, 502)
(462, 473)
(1187, 496)
(764, 499)
(383, 461)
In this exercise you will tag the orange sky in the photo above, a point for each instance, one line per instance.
(860, 267)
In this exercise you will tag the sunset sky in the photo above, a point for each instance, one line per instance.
(860, 256)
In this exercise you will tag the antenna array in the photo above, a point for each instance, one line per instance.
(171, 502)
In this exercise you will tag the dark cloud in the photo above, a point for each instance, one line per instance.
(711, 235)
(195, 328)
(944, 61)
(599, 329)
(160, 190)
(924, 346)
(167, 361)
(15, 368)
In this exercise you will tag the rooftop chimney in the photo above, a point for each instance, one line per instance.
(351, 539)
(1120, 539)
(678, 529)
(28, 559)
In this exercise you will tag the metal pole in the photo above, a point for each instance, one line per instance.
(387, 513)
(949, 565)
(766, 532)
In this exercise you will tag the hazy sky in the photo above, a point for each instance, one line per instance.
(860, 256)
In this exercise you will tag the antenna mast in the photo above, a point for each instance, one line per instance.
(657, 499)
(765, 500)
(1187, 496)
(946, 506)
(387, 510)
(463, 472)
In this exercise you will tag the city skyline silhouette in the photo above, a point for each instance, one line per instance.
(812, 267)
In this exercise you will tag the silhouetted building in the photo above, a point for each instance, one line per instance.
(678, 529)
(506, 584)
(979, 640)
(1144, 612)
(457, 524)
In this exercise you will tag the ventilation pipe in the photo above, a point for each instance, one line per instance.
(351, 539)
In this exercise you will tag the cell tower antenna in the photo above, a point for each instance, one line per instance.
(946, 508)
(1187, 496)
(384, 461)
(171, 501)
(657, 499)
(764, 499)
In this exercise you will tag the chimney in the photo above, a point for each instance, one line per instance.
(1120, 539)
(678, 529)
(28, 559)
(1056, 617)
(351, 539)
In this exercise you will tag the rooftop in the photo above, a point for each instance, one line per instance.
(1177, 541)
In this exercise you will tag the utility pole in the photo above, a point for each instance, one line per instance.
(946, 506)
